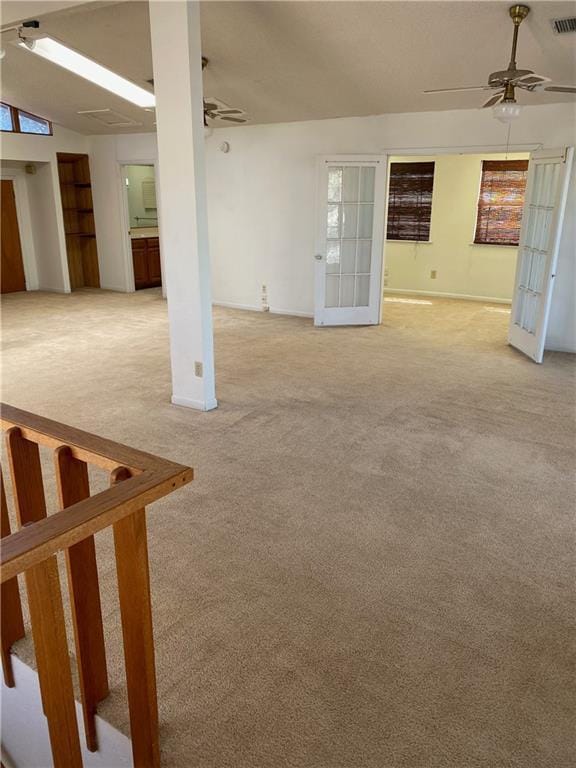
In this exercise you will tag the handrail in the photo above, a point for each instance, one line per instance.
(137, 479)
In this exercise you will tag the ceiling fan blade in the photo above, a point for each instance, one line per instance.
(230, 112)
(232, 119)
(208, 105)
(561, 88)
(494, 100)
(531, 80)
(469, 88)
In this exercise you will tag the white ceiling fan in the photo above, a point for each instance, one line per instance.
(505, 81)
(214, 109)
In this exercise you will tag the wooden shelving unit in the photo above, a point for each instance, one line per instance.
(81, 247)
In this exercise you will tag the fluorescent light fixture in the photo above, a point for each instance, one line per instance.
(65, 57)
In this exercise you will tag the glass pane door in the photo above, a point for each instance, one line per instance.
(349, 226)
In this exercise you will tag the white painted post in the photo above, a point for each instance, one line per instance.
(177, 60)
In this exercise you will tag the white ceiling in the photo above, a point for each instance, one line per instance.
(288, 61)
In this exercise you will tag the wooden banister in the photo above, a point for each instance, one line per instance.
(137, 479)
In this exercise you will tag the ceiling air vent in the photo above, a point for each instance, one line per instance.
(108, 117)
(561, 26)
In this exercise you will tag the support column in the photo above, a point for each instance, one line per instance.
(177, 60)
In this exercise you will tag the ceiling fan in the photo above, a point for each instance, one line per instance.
(505, 81)
(214, 109)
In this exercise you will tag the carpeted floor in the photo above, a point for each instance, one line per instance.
(375, 565)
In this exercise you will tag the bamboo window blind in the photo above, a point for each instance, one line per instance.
(501, 202)
(410, 201)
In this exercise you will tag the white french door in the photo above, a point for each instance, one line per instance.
(544, 206)
(350, 240)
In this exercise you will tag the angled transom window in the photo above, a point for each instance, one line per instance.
(410, 201)
(15, 120)
(501, 202)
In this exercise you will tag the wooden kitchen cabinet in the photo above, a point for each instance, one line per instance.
(146, 258)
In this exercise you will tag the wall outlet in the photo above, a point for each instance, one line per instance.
(433, 274)
(264, 299)
(198, 369)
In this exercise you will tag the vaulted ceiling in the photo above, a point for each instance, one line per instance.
(289, 61)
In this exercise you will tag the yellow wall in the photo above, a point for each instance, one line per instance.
(462, 268)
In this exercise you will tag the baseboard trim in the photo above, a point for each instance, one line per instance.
(233, 305)
(565, 350)
(442, 295)
(291, 312)
(198, 405)
(272, 310)
(116, 288)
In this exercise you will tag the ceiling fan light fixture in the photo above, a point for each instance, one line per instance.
(506, 111)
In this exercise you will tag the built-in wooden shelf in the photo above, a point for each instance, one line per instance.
(76, 192)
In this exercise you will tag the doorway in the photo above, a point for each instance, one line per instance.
(453, 226)
(142, 211)
(520, 205)
(12, 277)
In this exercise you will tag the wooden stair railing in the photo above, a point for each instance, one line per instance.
(136, 480)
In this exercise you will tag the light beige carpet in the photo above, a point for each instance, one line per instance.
(375, 565)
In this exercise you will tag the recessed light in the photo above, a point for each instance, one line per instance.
(81, 65)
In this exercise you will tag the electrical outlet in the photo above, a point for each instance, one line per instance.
(198, 369)
(433, 274)
(264, 289)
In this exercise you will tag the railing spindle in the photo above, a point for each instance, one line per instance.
(12, 622)
(131, 551)
(73, 486)
(46, 609)
(137, 480)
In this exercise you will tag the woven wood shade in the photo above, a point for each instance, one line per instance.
(410, 201)
(501, 202)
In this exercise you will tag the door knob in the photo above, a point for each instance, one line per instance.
(318, 256)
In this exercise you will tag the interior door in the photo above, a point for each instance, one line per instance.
(544, 206)
(11, 265)
(349, 242)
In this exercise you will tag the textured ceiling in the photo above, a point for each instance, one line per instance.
(288, 61)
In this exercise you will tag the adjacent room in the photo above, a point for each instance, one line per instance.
(143, 215)
(288, 383)
(453, 228)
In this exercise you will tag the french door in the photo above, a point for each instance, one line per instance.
(350, 240)
(544, 206)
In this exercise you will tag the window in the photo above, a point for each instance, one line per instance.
(7, 123)
(500, 202)
(16, 120)
(410, 201)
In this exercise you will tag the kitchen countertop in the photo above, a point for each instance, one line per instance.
(143, 232)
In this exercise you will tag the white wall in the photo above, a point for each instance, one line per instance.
(48, 232)
(462, 268)
(107, 155)
(42, 210)
(261, 196)
(15, 172)
(25, 738)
